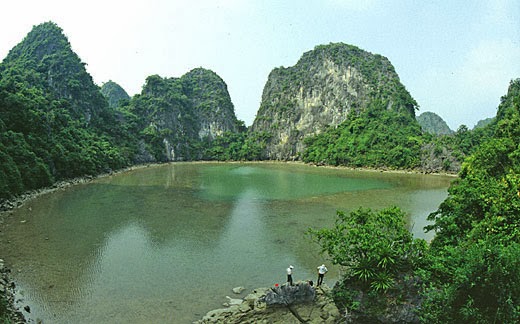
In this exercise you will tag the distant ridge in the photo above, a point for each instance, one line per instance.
(114, 93)
(432, 123)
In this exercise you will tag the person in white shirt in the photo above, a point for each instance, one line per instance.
(289, 275)
(322, 270)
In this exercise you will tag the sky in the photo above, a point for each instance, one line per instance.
(455, 57)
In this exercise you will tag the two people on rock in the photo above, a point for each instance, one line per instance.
(322, 270)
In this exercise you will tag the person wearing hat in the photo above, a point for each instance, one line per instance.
(289, 275)
(322, 270)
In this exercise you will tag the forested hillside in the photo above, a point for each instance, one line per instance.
(470, 273)
(375, 137)
(177, 119)
(475, 271)
(54, 122)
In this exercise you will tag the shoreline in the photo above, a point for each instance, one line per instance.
(7, 205)
(18, 201)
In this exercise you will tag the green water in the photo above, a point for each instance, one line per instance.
(166, 244)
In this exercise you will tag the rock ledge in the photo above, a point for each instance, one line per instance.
(301, 303)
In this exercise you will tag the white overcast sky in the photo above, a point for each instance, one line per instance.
(456, 57)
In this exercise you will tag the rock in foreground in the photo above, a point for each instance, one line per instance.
(301, 303)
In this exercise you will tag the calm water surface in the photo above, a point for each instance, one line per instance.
(166, 244)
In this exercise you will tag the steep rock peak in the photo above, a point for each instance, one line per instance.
(186, 113)
(325, 85)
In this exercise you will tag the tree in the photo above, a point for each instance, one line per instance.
(379, 257)
(475, 267)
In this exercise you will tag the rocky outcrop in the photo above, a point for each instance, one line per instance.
(325, 85)
(177, 116)
(8, 311)
(114, 93)
(211, 102)
(438, 159)
(432, 123)
(301, 303)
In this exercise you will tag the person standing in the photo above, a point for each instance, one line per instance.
(322, 270)
(289, 275)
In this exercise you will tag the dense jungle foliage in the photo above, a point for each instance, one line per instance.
(475, 256)
(375, 137)
(54, 122)
(470, 273)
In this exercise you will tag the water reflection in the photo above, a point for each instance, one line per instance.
(165, 243)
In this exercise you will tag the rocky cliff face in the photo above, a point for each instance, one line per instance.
(211, 102)
(179, 115)
(320, 91)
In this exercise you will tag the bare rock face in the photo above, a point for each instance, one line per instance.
(301, 303)
(320, 91)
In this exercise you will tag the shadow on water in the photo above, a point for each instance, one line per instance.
(168, 243)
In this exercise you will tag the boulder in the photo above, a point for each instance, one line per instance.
(277, 305)
(286, 295)
(233, 301)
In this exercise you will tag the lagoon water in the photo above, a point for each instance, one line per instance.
(166, 244)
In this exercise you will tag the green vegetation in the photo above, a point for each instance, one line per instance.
(381, 262)
(54, 122)
(375, 137)
(476, 251)
(5, 318)
(238, 147)
(179, 118)
(470, 273)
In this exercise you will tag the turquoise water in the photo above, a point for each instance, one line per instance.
(166, 244)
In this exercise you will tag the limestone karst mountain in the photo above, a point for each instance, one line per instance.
(179, 117)
(54, 122)
(321, 90)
